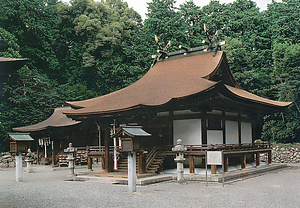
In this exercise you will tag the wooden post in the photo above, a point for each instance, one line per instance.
(53, 157)
(53, 154)
(204, 129)
(191, 164)
(102, 162)
(269, 157)
(243, 161)
(257, 160)
(142, 168)
(213, 169)
(226, 163)
(37, 153)
(106, 143)
(240, 131)
(90, 163)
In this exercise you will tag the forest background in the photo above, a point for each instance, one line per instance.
(87, 49)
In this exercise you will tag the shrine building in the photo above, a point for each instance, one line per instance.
(190, 95)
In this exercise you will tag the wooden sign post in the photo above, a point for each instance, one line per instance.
(214, 158)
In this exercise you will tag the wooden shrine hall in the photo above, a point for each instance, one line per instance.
(57, 131)
(190, 95)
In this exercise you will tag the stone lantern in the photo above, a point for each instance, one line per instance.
(71, 158)
(179, 149)
(29, 161)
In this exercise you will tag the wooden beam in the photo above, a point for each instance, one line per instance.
(191, 164)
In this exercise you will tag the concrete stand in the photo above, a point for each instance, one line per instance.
(131, 171)
(19, 170)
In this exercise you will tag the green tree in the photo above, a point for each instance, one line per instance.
(285, 127)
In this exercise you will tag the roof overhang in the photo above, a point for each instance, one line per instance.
(20, 137)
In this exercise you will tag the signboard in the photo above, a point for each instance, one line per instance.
(214, 158)
(126, 144)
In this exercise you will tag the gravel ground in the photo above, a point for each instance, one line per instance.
(46, 188)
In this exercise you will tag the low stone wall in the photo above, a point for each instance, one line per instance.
(7, 160)
(286, 153)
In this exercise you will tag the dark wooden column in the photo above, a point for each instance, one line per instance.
(243, 161)
(141, 163)
(191, 164)
(90, 163)
(107, 162)
(257, 160)
(37, 153)
(204, 129)
(213, 169)
(53, 157)
(223, 127)
(226, 163)
(270, 157)
(240, 130)
(171, 128)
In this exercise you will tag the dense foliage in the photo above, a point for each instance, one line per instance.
(88, 48)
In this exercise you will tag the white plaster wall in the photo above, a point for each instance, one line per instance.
(189, 131)
(214, 137)
(232, 132)
(246, 132)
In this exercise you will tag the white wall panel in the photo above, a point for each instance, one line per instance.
(214, 137)
(189, 131)
(231, 132)
(246, 132)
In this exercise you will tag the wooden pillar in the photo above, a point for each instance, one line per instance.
(213, 169)
(243, 161)
(90, 163)
(141, 163)
(240, 131)
(204, 129)
(191, 164)
(223, 127)
(270, 157)
(37, 153)
(226, 163)
(106, 144)
(257, 160)
(171, 127)
(53, 157)
(102, 162)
